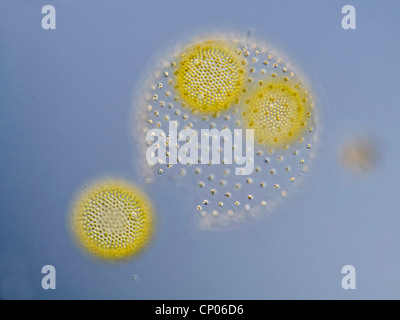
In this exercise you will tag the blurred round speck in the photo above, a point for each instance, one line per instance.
(135, 277)
(359, 154)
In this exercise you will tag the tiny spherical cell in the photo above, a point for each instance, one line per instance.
(209, 77)
(359, 154)
(112, 220)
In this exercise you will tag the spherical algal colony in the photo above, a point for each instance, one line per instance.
(236, 117)
(112, 220)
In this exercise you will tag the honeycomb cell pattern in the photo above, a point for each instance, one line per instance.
(274, 100)
(278, 113)
(209, 76)
(113, 220)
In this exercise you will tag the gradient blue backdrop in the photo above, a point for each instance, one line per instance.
(65, 99)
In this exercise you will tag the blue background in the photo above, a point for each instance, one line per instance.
(65, 98)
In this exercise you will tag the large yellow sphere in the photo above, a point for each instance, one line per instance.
(113, 220)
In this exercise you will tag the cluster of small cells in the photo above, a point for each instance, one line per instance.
(228, 82)
(112, 220)
(208, 77)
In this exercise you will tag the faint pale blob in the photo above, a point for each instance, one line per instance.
(227, 81)
(359, 154)
(112, 219)
(135, 277)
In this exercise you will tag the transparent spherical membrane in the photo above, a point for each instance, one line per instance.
(274, 102)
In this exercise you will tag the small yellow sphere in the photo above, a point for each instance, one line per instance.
(113, 220)
(278, 112)
(209, 76)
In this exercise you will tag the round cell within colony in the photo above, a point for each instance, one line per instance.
(278, 112)
(113, 220)
(209, 76)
